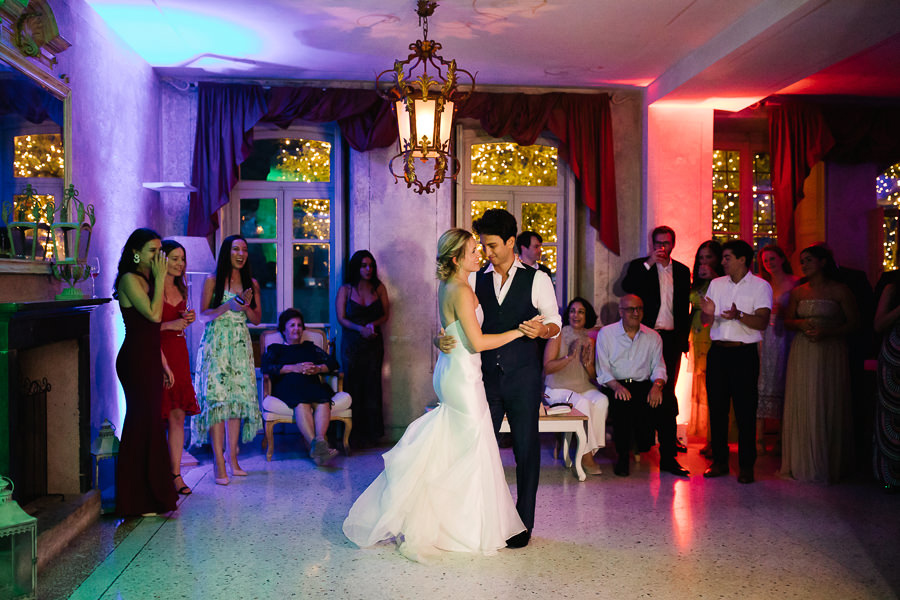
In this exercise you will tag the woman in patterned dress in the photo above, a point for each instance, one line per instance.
(178, 400)
(225, 380)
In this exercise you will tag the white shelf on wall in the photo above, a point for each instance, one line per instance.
(169, 186)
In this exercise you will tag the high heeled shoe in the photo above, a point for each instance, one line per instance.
(221, 480)
(235, 471)
(183, 490)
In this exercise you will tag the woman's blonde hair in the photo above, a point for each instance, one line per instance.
(452, 244)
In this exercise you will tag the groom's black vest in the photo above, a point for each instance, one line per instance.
(516, 308)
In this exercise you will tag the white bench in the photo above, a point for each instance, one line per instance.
(572, 422)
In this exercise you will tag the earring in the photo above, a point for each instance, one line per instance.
(137, 258)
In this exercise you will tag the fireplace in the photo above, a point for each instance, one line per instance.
(46, 341)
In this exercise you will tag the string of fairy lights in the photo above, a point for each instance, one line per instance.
(312, 219)
(301, 160)
(38, 155)
(887, 193)
(511, 164)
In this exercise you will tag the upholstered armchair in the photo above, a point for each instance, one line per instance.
(275, 411)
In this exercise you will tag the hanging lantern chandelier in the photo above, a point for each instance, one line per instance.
(424, 107)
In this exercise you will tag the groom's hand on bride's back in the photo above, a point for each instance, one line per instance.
(445, 343)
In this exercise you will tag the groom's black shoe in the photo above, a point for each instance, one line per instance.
(520, 540)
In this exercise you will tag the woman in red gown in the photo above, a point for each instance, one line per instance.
(180, 399)
(143, 478)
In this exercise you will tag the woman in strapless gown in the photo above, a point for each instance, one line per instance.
(443, 487)
(816, 439)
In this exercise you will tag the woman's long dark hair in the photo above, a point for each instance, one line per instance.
(821, 252)
(223, 271)
(714, 247)
(134, 244)
(352, 276)
(168, 246)
(590, 315)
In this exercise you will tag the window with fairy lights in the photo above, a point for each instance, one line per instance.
(528, 181)
(38, 162)
(742, 201)
(887, 192)
(284, 204)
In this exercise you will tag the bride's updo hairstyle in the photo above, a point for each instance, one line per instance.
(451, 245)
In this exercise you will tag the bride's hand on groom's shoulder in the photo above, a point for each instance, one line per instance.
(445, 343)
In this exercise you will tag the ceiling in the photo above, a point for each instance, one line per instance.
(724, 54)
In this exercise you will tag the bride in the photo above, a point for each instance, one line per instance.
(443, 486)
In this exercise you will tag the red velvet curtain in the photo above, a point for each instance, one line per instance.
(803, 131)
(227, 114)
(798, 139)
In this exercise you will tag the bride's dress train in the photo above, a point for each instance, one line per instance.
(443, 486)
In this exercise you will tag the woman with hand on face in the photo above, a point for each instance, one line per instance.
(569, 372)
(816, 440)
(226, 378)
(707, 266)
(773, 352)
(362, 307)
(143, 477)
(180, 399)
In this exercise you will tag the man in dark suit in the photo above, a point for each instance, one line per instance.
(664, 286)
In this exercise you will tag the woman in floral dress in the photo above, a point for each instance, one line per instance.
(225, 380)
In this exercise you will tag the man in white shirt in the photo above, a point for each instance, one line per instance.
(632, 374)
(737, 307)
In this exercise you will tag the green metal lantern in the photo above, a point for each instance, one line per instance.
(104, 446)
(18, 547)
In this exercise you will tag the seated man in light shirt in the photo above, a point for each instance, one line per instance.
(632, 374)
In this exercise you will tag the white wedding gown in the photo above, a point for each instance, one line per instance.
(443, 486)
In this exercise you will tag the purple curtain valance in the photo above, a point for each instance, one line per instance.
(227, 114)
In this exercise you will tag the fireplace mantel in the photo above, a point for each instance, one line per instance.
(30, 325)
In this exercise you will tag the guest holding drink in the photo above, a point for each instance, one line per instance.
(180, 399)
(707, 266)
(362, 308)
(773, 352)
(225, 380)
(143, 477)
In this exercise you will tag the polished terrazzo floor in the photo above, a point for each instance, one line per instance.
(277, 534)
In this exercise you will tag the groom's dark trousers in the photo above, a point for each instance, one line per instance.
(513, 381)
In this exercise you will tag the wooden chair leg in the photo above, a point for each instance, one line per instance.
(348, 425)
(270, 439)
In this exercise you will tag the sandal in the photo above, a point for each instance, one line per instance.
(183, 490)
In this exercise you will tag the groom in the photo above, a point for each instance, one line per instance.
(512, 295)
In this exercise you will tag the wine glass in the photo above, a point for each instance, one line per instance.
(93, 265)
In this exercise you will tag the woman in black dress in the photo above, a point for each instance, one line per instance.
(295, 368)
(143, 476)
(362, 308)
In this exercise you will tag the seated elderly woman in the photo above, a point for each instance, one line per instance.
(294, 369)
(569, 372)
